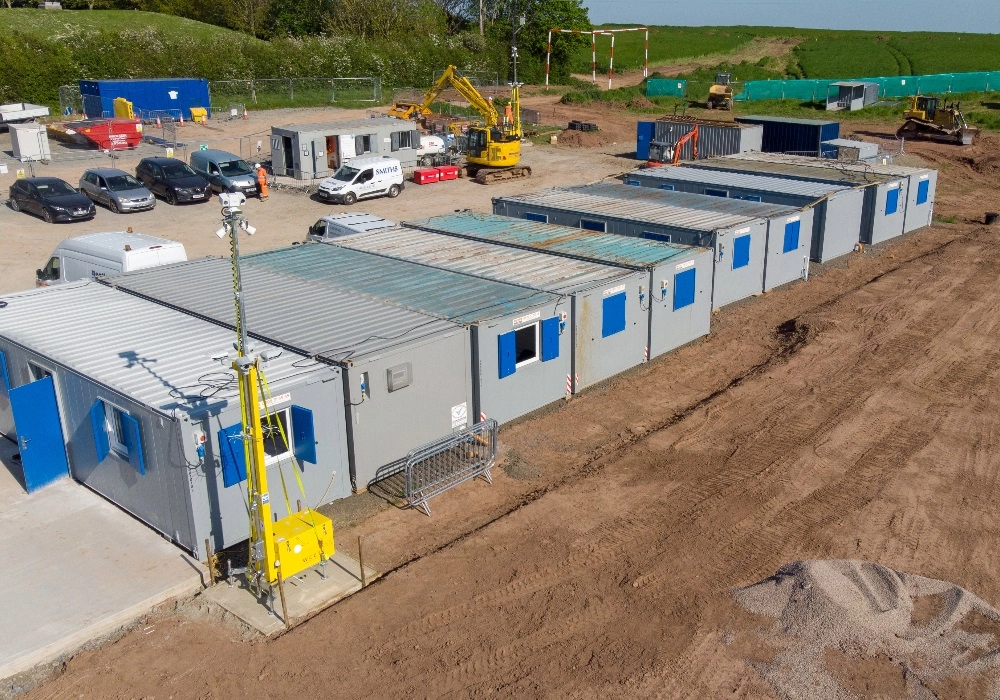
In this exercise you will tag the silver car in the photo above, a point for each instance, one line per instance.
(116, 189)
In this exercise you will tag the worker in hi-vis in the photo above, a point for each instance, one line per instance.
(261, 181)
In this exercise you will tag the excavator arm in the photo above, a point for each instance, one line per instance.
(453, 78)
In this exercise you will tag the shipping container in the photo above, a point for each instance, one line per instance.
(680, 277)
(596, 355)
(851, 95)
(715, 138)
(789, 229)
(521, 350)
(738, 242)
(885, 195)
(150, 97)
(850, 150)
(791, 135)
(315, 151)
(139, 403)
(406, 375)
(836, 208)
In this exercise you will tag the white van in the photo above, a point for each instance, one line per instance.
(338, 225)
(360, 178)
(110, 253)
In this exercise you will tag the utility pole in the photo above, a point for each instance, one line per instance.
(482, 25)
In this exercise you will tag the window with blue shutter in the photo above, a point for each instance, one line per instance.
(752, 198)
(507, 346)
(684, 285)
(892, 201)
(303, 434)
(4, 375)
(613, 320)
(99, 424)
(923, 191)
(550, 339)
(588, 225)
(633, 182)
(541, 218)
(741, 251)
(669, 188)
(234, 459)
(791, 237)
(133, 441)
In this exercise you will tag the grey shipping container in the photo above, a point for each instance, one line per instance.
(315, 151)
(715, 138)
(521, 354)
(738, 242)
(850, 150)
(406, 375)
(921, 185)
(837, 208)
(789, 229)
(586, 284)
(680, 277)
(128, 391)
(792, 135)
(885, 195)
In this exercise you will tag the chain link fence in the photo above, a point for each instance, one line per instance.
(70, 100)
(295, 92)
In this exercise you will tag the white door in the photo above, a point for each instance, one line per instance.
(346, 146)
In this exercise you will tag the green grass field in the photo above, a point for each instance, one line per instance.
(57, 24)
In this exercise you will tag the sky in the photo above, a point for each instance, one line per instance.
(981, 16)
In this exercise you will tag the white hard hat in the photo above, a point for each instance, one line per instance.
(256, 165)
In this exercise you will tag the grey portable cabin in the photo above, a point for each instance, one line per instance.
(850, 95)
(521, 354)
(680, 277)
(851, 150)
(920, 191)
(885, 195)
(836, 208)
(122, 393)
(315, 151)
(406, 375)
(738, 242)
(789, 229)
(601, 344)
(715, 137)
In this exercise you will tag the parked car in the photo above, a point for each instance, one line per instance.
(109, 253)
(227, 172)
(338, 225)
(173, 180)
(50, 198)
(361, 178)
(116, 189)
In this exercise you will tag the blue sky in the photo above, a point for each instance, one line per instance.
(900, 15)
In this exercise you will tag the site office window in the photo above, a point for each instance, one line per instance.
(276, 436)
(404, 139)
(362, 144)
(117, 431)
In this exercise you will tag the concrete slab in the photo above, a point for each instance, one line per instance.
(305, 594)
(75, 568)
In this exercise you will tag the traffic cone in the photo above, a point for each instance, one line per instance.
(204, 120)
(182, 118)
(245, 115)
(158, 124)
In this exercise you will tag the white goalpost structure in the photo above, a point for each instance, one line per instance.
(593, 50)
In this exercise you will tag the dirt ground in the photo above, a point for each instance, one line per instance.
(853, 417)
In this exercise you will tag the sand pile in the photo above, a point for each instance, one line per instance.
(847, 628)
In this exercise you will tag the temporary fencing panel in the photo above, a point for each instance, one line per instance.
(889, 86)
(666, 87)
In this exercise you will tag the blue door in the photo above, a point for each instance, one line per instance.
(39, 433)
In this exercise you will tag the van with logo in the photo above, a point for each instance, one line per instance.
(363, 178)
(107, 253)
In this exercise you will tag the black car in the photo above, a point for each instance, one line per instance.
(173, 180)
(50, 198)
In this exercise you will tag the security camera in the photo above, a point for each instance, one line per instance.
(232, 201)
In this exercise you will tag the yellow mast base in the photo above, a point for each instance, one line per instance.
(301, 540)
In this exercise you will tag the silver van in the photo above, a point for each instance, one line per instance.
(227, 172)
(337, 225)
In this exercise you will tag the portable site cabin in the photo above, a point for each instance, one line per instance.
(851, 150)
(715, 137)
(738, 241)
(315, 151)
(885, 195)
(125, 409)
(679, 277)
(794, 135)
(406, 375)
(851, 95)
(920, 190)
(603, 341)
(836, 208)
(789, 229)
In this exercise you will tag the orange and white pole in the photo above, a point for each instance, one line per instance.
(548, 60)
(611, 61)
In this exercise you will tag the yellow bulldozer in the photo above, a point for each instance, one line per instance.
(720, 95)
(926, 119)
(493, 151)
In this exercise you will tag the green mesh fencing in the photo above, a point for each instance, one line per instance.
(666, 87)
(889, 86)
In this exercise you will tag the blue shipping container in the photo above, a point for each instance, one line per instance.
(175, 96)
(796, 136)
(644, 133)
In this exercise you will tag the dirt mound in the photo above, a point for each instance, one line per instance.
(985, 164)
(840, 620)
(640, 102)
(584, 139)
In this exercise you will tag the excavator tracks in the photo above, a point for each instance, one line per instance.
(487, 176)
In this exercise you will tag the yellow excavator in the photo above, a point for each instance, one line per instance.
(925, 119)
(494, 146)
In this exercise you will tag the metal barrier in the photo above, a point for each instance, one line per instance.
(70, 100)
(295, 91)
(438, 466)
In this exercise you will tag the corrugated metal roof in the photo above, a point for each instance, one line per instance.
(154, 355)
(750, 181)
(677, 217)
(385, 122)
(484, 259)
(625, 251)
(795, 171)
(312, 318)
(805, 161)
(451, 295)
(785, 120)
(736, 207)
